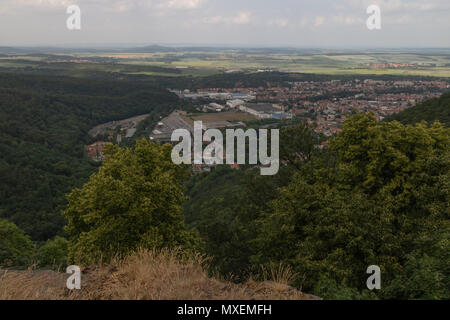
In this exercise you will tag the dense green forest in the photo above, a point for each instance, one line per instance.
(43, 129)
(171, 77)
(260, 79)
(377, 196)
(437, 109)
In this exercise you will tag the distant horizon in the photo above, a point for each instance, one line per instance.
(213, 45)
(243, 23)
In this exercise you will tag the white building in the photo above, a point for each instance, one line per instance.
(259, 110)
(235, 103)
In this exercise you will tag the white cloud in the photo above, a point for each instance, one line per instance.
(163, 8)
(242, 18)
(348, 20)
(408, 21)
(214, 20)
(280, 22)
(318, 21)
(239, 18)
(303, 22)
(119, 6)
(184, 4)
(401, 5)
(43, 3)
(14, 5)
(404, 19)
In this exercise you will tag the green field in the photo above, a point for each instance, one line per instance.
(421, 64)
(206, 63)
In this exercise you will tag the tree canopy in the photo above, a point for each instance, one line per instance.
(16, 248)
(44, 124)
(134, 201)
(383, 201)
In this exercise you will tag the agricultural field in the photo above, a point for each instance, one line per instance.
(178, 62)
(423, 64)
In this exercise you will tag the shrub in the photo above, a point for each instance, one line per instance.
(16, 248)
(53, 254)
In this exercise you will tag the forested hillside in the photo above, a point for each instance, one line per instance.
(378, 196)
(431, 110)
(43, 127)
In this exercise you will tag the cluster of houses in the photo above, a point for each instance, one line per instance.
(324, 103)
(95, 151)
(258, 110)
(213, 95)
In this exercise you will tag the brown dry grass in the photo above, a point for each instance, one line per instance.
(147, 275)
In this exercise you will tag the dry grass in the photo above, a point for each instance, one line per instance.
(147, 275)
(33, 285)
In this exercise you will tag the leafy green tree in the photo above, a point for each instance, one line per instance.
(426, 270)
(381, 199)
(297, 144)
(329, 288)
(224, 205)
(133, 201)
(16, 248)
(53, 253)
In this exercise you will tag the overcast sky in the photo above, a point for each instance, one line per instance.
(299, 23)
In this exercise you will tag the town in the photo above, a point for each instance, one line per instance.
(325, 104)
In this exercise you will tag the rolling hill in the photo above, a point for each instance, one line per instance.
(431, 110)
(44, 123)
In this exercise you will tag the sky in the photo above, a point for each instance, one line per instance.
(257, 23)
